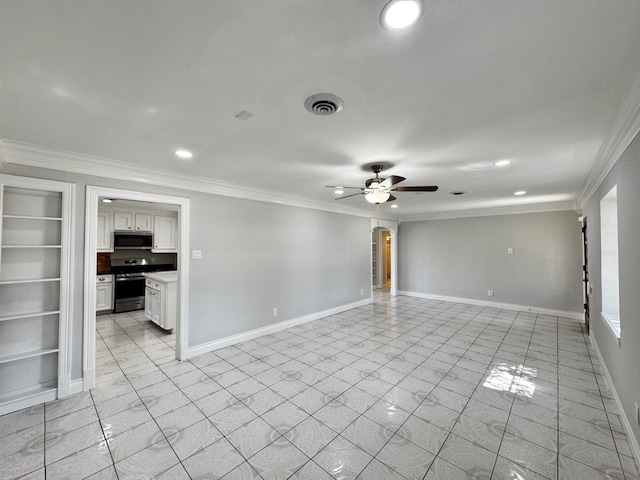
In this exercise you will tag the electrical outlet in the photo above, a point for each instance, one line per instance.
(490, 293)
(275, 311)
(196, 254)
(509, 251)
(362, 291)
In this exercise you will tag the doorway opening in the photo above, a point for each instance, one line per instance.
(381, 256)
(179, 206)
(384, 255)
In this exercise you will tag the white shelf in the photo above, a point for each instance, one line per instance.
(12, 401)
(30, 280)
(30, 315)
(31, 217)
(31, 246)
(24, 355)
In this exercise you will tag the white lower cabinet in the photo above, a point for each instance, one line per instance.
(104, 293)
(161, 299)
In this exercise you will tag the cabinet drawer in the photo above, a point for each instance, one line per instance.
(152, 284)
(104, 279)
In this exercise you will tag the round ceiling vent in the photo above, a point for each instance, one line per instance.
(323, 104)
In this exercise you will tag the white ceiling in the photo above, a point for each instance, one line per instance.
(538, 82)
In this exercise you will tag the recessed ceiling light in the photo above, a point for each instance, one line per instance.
(106, 200)
(338, 191)
(502, 163)
(398, 15)
(184, 154)
(395, 205)
(520, 192)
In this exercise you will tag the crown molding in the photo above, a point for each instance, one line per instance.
(25, 154)
(624, 129)
(490, 212)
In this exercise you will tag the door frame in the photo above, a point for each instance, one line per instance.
(585, 273)
(393, 228)
(90, 251)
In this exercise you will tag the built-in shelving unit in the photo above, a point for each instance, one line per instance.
(35, 244)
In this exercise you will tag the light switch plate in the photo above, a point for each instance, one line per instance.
(509, 251)
(196, 254)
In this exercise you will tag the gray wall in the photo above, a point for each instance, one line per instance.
(256, 256)
(622, 361)
(259, 256)
(467, 257)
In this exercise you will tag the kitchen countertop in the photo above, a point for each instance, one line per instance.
(164, 277)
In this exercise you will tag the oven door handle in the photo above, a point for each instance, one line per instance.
(129, 279)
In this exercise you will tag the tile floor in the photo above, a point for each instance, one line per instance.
(401, 389)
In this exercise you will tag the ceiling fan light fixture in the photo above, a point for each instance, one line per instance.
(399, 15)
(377, 196)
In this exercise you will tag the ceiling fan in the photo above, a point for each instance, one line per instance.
(379, 190)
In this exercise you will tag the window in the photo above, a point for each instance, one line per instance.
(609, 258)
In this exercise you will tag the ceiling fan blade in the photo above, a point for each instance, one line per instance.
(336, 186)
(392, 180)
(391, 198)
(430, 188)
(347, 196)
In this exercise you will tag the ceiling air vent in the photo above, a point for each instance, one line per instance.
(323, 104)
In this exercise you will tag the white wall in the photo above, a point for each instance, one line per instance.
(256, 256)
(622, 360)
(465, 258)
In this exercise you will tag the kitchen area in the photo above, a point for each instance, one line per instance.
(137, 260)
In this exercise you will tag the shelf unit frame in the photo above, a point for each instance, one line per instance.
(12, 401)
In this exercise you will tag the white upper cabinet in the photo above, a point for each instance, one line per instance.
(143, 222)
(123, 221)
(165, 234)
(164, 227)
(140, 222)
(105, 231)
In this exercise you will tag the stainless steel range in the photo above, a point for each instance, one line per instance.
(129, 281)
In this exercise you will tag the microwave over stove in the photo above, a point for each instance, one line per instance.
(132, 240)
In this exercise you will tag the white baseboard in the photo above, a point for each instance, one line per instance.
(89, 377)
(276, 327)
(76, 386)
(64, 386)
(503, 306)
(626, 423)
